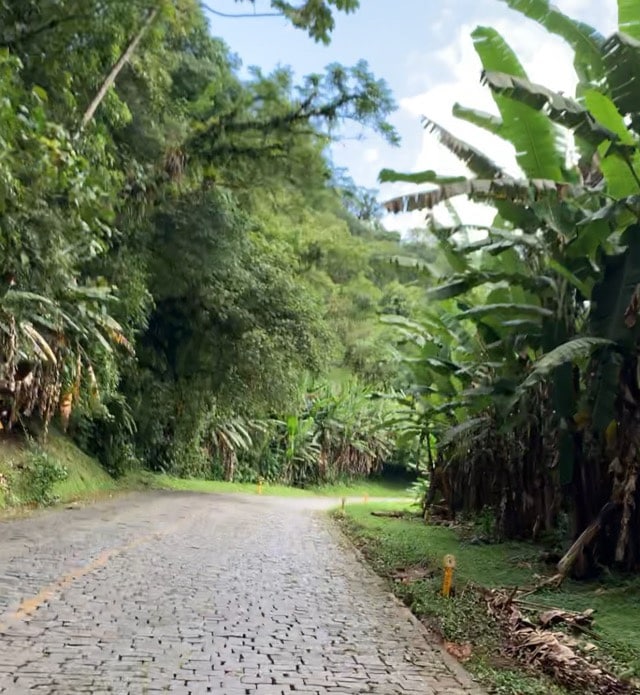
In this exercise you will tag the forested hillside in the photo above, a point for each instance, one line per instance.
(187, 283)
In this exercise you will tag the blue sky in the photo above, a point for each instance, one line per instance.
(423, 51)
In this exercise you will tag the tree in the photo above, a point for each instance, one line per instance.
(177, 261)
(314, 16)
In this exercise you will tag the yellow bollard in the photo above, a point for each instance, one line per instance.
(259, 487)
(366, 497)
(449, 564)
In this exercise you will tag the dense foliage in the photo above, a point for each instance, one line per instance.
(188, 285)
(526, 363)
(178, 257)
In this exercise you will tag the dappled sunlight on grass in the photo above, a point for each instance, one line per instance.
(395, 544)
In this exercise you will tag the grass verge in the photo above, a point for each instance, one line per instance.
(25, 478)
(29, 477)
(369, 488)
(410, 554)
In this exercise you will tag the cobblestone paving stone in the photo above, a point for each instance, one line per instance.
(187, 593)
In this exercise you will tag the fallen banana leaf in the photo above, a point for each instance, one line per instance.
(552, 652)
(556, 615)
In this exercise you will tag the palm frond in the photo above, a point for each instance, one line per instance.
(474, 159)
(560, 109)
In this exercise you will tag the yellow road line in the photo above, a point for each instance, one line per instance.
(29, 605)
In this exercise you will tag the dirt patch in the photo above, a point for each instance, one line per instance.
(408, 575)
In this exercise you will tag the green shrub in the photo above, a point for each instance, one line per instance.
(41, 473)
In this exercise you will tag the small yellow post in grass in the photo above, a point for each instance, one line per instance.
(366, 497)
(449, 564)
(259, 486)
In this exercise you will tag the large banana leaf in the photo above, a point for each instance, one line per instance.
(604, 110)
(588, 240)
(615, 299)
(571, 351)
(622, 59)
(614, 213)
(529, 131)
(464, 430)
(570, 277)
(495, 53)
(499, 311)
(500, 240)
(629, 18)
(392, 176)
(478, 162)
(458, 285)
(487, 121)
(584, 39)
(560, 109)
(495, 190)
(618, 162)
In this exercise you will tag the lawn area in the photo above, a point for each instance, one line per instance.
(391, 545)
(369, 488)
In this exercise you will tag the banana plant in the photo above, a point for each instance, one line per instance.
(551, 290)
(51, 347)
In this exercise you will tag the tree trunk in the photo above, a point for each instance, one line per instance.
(574, 554)
(115, 71)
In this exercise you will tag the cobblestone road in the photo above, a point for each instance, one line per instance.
(187, 593)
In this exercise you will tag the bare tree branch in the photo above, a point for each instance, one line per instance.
(115, 71)
(240, 15)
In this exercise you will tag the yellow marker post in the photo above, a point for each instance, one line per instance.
(260, 486)
(366, 497)
(449, 564)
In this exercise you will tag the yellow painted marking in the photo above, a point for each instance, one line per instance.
(30, 605)
(449, 564)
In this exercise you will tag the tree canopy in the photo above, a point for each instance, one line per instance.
(182, 267)
(187, 283)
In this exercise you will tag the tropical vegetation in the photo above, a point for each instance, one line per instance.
(188, 285)
(525, 361)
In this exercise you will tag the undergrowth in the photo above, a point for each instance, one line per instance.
(395, 545)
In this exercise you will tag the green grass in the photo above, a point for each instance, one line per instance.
(85, 475)
(392, 544)
(372, 488)
(85, 479)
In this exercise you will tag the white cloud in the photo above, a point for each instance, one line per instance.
(547, 60)
(602, 14)
(371, 155)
